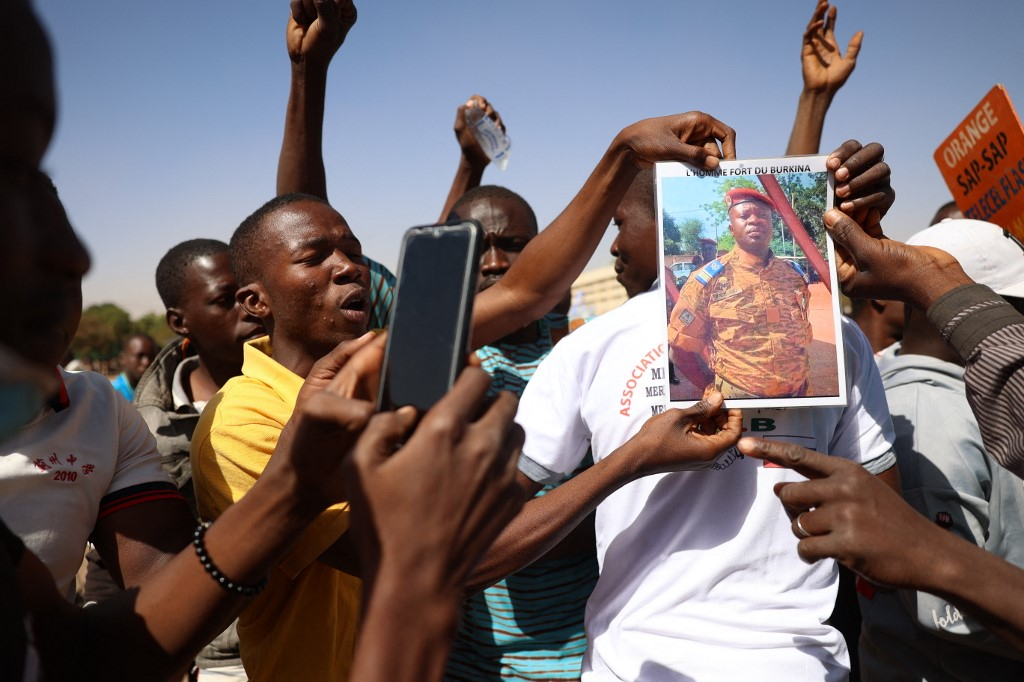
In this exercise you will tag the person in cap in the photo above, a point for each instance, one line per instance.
(708, 251)
(747, 311)
(947, 476)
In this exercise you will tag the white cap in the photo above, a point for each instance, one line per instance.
(986, 253)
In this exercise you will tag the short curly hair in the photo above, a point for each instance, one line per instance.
(170, 271)
(243, 248)
(492, 192)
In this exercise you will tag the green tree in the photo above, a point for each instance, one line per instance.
(690, 233)
(807, 197)
(155, 325)
(670, 234)
(101, 332)
(726, 241)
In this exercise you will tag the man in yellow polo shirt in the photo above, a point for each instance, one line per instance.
(303, 627)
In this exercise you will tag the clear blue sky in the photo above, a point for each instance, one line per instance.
(171, 113)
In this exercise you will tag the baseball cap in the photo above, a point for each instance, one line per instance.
(986, 253)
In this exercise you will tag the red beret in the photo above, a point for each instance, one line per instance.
(742, 195)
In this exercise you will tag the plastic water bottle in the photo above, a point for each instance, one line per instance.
(492, 140)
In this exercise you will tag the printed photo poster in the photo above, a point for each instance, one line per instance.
(747, 274)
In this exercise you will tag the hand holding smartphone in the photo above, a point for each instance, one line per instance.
(428, 338)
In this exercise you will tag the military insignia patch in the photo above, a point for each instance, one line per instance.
(722, 295)
(708, 272)
(686, 317)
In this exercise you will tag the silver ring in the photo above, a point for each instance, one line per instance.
(801, 532)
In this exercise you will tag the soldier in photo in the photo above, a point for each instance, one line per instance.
(708, 251)
(745, 313)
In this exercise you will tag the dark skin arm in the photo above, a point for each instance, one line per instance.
(825, 70)
(137, 541)
(852, 517)
(472, 159)
(350, 372)
(153, 630)
(869, 265)
(456, 480)
(316, 29)
(536, 282)
(675, 440)
(554, 258)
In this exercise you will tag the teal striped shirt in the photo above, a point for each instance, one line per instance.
(530, 625)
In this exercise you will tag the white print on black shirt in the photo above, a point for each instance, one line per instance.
(952, 616)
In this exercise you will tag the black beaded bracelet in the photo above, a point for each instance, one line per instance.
(222, 580)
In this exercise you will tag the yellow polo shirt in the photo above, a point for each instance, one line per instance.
(303, 627)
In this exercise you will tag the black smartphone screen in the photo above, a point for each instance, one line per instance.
(429, 332)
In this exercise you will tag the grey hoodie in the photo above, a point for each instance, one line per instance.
(947, 476)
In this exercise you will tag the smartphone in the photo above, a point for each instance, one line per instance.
(428, 338)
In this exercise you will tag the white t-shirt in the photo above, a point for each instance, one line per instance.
(699, 571)
(86, 456)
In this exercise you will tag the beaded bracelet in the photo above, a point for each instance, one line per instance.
(222, 580)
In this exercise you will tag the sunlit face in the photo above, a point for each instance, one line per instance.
(751, 225)
(636, 247)
(210, 315)
(314, 279)
(507, 229)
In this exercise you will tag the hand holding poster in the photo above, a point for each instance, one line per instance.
(982, 161)
(748, 271)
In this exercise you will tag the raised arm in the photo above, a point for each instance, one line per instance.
(845, 513)
(552, 260)
(825, 69)
(316, 29)
(472, 159)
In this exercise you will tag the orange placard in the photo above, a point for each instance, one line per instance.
(982, 161)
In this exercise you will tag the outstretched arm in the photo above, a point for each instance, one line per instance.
(873, 266)
(153, 630)
(825, 69)
(472, 159)
(676, 440)
(846, 513)
(316, 29)
(978, 324)
(552, 260)
(424, 514)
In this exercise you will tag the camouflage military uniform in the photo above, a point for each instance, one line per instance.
(752, 315)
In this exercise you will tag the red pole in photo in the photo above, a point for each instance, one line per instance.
(796, 228)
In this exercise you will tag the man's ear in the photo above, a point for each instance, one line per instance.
(253, 300)
(176, 321)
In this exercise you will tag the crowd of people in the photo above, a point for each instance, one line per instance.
(250, 513)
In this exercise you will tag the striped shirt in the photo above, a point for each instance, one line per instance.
(988, 333)
(530, 625)
(382, 294)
